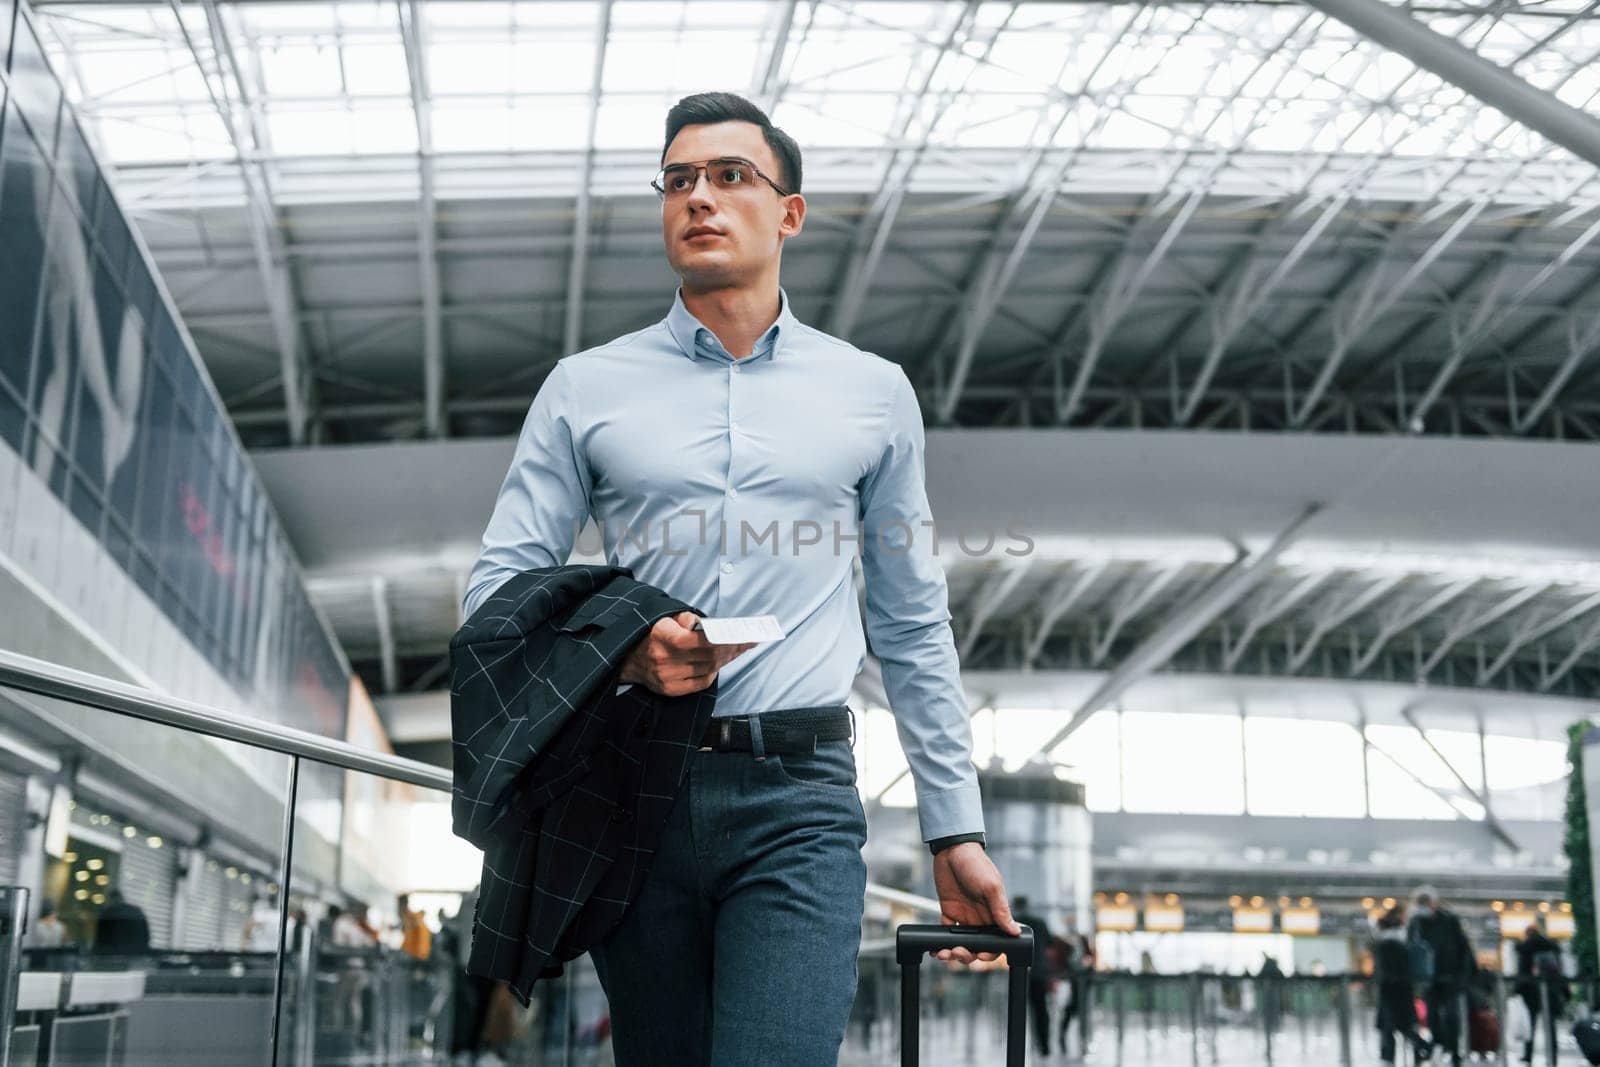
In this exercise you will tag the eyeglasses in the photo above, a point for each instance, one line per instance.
(732, 174)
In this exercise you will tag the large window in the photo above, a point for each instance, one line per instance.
(1298, 767)
(1176, 761)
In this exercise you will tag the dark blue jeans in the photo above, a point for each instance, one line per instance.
(741, 947)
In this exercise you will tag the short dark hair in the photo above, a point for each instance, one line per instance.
(703, 109)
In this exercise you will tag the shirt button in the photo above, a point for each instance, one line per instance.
(733, 427)
(737, 368)
(727, 568)
(733, 494)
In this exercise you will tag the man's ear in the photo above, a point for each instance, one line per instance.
(794, 216)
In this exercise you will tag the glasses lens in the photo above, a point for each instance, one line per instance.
(675, 181)
(731, 173)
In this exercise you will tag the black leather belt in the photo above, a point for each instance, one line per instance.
(788, 730)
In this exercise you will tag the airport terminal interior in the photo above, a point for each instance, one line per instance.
(1257, 346)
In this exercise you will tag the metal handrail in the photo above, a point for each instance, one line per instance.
(79, 687)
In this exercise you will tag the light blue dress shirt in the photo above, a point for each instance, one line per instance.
(748, 487)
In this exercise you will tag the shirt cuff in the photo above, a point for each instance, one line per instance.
(950, 812)
(939, 844)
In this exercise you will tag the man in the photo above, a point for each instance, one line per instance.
(121, 928)
(1540, 983)
(741, 947)
(1039, 977)
(49, 931)
(1441, 931)
(416, 939)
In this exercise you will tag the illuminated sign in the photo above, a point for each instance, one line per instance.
(1252, 920)
(1117, 917)
(1163, 918)
(1302, 921)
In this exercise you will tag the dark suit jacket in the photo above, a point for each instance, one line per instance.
(564, 783)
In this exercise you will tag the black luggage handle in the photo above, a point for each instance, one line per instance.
(913, 941)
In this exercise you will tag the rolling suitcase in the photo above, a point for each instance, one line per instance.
(1483, 1031)
(1587, 1033)
(912, 942)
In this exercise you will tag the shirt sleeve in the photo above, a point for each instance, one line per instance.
(908, 627)
(544, 499)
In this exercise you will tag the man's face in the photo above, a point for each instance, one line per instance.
(720, 238)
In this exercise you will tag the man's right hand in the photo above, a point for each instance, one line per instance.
(674, 660)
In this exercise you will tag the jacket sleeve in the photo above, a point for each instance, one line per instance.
(545, 497)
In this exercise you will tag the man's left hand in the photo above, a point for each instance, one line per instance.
(971, 893)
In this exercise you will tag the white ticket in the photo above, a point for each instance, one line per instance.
(742, 630)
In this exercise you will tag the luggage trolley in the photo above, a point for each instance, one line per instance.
(913, 941)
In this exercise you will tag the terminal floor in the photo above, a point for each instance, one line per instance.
(952, 1043)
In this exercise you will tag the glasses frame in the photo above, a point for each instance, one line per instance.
(701, 168)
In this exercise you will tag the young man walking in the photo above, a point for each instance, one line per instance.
(739, 460)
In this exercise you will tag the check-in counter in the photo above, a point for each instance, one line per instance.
(75, 1017)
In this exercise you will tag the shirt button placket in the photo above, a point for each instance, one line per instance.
(733, 430)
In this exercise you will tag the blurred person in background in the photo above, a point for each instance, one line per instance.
(1040, 976)
(416, 939)
(1437, 932)
(261, 928)
(121, 928)
(1540, 982)
(1397, 997)
(49, 931)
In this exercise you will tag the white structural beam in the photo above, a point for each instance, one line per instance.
(990, 597)
(1579, 346)
(1333, 615)
(1246, 299)
(578, 266)
(1490, 312)
(1471, 622)
(1482, 799)
(247, 133)
(1409, 615)
(1271, 612)
(385, 627)
(1532, 630)
(1061, 597)
(871, 237)
(413, 34)
(1586, 643)
(1538, 109)
(1136, 594)
(1377, 296)
(1235, 582)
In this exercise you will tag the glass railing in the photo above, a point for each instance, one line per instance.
(223, 893)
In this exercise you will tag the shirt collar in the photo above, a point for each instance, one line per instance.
(694, 339)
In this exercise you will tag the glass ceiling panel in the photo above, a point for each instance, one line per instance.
(333, 79)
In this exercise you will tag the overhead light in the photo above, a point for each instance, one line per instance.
(153, 841)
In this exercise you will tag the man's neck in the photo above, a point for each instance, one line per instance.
(737, 316)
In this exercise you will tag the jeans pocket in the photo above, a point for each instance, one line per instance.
(831, 767)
